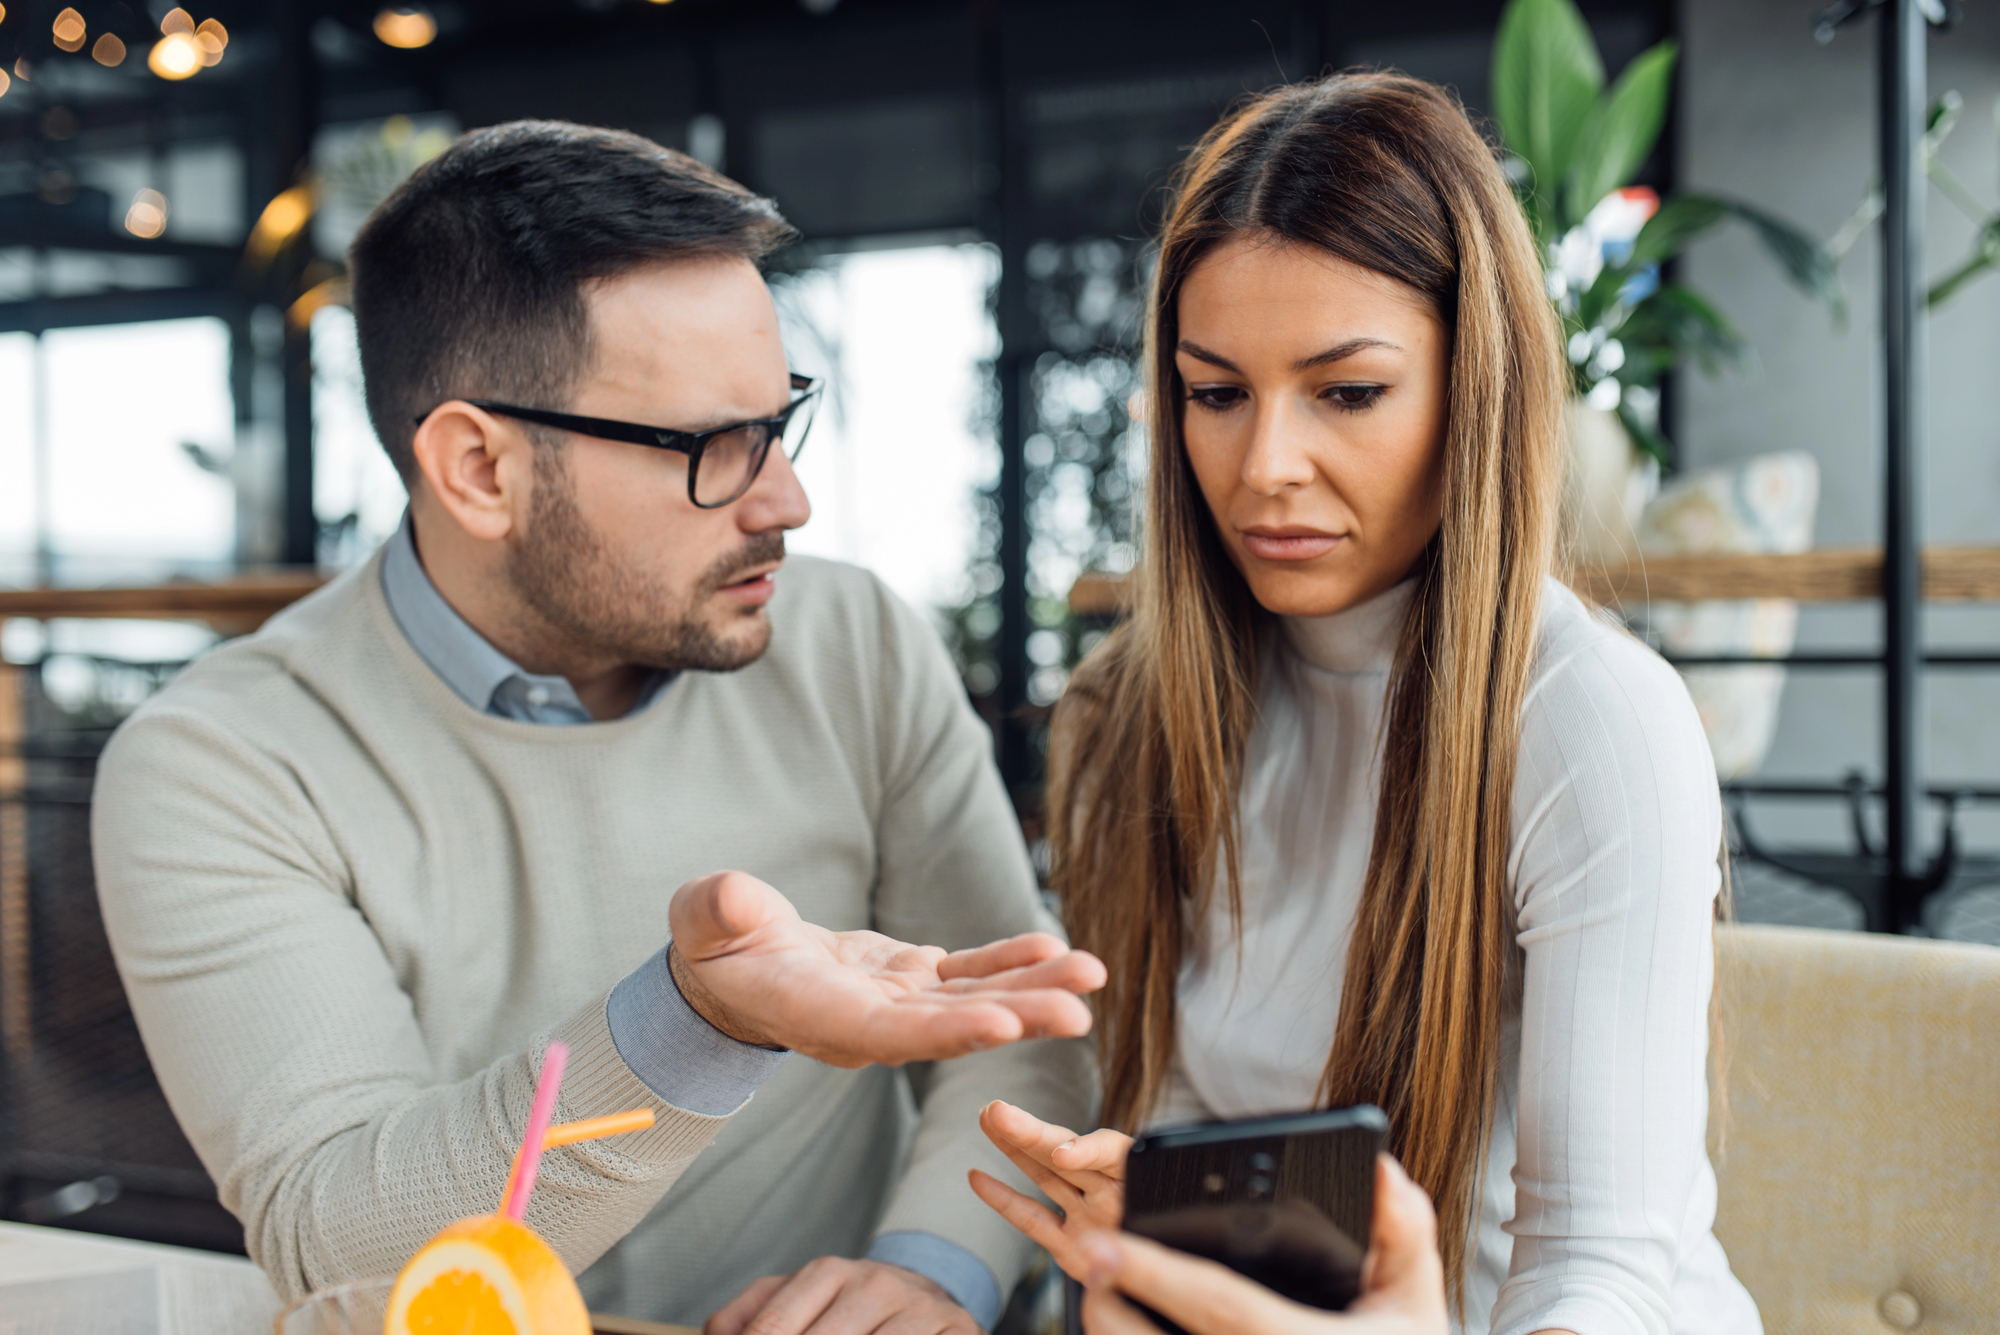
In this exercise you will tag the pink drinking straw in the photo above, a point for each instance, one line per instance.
(528, 1159)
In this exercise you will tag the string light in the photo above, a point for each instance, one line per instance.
(69, 30)
(175, 57)
(148, 215)
(406, 29)
(108, 50)
(177, 20)
(4, 80)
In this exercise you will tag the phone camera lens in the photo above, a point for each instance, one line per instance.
(1259, 1185)
(1213, 1182)
(1263, 1163)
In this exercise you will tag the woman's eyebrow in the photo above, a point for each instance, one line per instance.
(1342, 351)
(1197, 351)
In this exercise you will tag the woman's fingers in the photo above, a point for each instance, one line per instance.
(1102, 1151)
(1042, 1225)
(1203, 1297)
(1403, 1270)
(1105, 1313)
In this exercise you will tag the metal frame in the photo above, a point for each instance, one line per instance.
(1891, 882)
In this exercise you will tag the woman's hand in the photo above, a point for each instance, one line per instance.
(1084, 1175)
(1402, 1281)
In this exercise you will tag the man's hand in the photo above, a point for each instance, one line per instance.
(754, 969)
(1083, 1175)
(831, 1296)
(1402, 1281)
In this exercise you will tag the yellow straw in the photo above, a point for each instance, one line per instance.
(591, 1128)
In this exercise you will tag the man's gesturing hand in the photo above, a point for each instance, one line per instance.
(832, 1296)
(754, 969)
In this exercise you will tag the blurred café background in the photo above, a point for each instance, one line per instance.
(1770, 461)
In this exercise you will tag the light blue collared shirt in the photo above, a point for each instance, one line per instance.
(682, 1058)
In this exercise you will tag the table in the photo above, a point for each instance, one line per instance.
(66, 1283)
(59, 1281)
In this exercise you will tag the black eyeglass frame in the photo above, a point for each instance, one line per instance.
(690, 443)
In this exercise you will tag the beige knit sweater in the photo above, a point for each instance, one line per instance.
(348, 908)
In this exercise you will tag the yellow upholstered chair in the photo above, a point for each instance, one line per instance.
(1860, 1158)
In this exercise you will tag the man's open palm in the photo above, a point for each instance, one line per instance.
(761, 974)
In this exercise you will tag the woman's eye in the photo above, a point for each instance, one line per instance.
(1354, 398)
(1216, 397)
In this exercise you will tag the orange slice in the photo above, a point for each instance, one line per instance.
(486, 1276)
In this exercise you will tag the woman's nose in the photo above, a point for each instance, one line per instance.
(1277, 458)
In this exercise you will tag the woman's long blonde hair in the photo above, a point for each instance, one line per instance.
(1388, 173)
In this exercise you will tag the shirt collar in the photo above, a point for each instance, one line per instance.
(477, 672)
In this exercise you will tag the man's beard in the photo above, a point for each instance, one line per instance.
(566, 574)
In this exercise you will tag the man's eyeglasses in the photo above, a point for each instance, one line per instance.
(722, 463)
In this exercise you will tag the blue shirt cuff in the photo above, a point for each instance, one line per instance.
(682, 1058)
(947, 1265)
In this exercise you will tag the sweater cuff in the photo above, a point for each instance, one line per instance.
(682, 1058)
(949, 1266)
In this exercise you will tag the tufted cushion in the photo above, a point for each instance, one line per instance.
(1860, 1161)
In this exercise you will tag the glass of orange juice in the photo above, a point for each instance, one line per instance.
(346, 1309)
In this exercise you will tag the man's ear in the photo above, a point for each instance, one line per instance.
(479, 469)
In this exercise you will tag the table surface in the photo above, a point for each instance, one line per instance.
(47, 1273)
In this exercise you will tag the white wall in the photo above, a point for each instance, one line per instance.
(1769, 115)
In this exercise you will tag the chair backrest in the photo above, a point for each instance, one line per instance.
(1859, 1160)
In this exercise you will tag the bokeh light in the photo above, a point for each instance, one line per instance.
(69, 30)
(406, 29)
(147, 217)
(175, 56)
(108, 50)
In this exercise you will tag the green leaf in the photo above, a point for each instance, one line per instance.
(1985, 255)
(1678, 222)
(1546, 78)
(1804, 260)
(1622, 133)
(1676, 322)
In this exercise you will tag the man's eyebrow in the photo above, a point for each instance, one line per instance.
(1340, 352)
(1197, 351)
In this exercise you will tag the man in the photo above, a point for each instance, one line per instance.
(359, 868)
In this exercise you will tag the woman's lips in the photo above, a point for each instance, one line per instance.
(1281, 544)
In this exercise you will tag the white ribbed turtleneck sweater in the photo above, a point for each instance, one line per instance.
(1599, 1198)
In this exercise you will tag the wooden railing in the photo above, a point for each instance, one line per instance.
(233, 606)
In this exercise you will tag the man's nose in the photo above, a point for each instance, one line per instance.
(776, 500)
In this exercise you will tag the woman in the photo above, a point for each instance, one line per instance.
(1361, 804)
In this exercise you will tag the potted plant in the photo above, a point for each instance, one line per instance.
(1574, 145)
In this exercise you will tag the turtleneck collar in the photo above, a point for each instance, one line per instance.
(1361, 638)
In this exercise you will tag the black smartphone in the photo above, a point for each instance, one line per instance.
(1285, 1201)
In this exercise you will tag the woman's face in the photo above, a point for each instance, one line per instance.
(1314, 420)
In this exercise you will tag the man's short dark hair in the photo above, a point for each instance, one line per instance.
(468, 280)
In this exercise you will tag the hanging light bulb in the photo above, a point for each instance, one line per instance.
(406, 29)
(175, 57)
